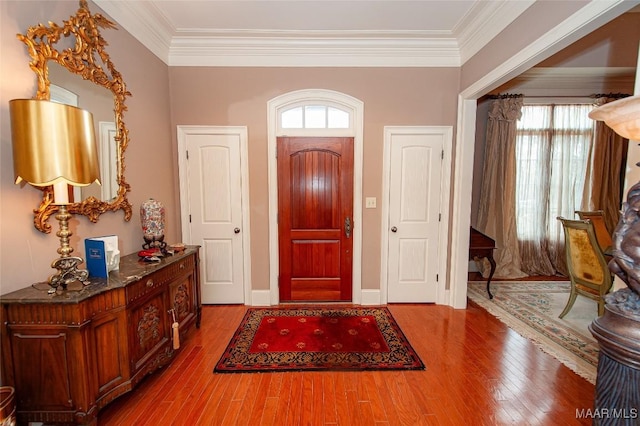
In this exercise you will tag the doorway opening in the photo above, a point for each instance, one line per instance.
(315, 113)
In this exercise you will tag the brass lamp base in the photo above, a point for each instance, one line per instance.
(68, 272)
(66, 264)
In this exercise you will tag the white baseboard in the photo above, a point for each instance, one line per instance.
(260, 298)
(370, 297)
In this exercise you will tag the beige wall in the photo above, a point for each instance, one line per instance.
(239, 96)
(216, 96)
(25, 253)
(164, 98)
(524, 30)
(615, 44)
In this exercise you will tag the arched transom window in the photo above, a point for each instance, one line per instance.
(315, 116)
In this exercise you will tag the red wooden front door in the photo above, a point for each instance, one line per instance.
(315, 218)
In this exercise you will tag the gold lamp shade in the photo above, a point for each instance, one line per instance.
(53, 143)
(623, 116)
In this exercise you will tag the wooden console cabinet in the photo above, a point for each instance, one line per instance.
(69, 354)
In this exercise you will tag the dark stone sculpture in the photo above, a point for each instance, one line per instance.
(617, 399)
(626, 256)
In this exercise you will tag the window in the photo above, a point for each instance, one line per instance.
(552, 151)
(315, 117)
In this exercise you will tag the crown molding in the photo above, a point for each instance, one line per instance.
(200, 47)
(571, 81)
(484, 21)
(144, 22)
(315, 49)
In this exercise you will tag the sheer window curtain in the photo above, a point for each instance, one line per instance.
(552, 148)
(541, 162)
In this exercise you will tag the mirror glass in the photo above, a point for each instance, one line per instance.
(73, 67)
(71, 89)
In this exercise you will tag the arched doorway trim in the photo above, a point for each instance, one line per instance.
(311, 97)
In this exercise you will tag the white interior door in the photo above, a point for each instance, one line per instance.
(414, 207)
(212, 187)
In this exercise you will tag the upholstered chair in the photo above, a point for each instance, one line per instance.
(602, 233)
(586, 263)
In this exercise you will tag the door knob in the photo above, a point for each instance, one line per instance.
(347, 227)
(394, 229)
(236, 230)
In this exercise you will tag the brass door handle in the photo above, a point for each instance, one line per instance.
(347, 227)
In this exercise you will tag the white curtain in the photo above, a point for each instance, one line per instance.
(552, 150)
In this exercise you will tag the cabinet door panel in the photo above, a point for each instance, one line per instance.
(148, 331)
(45, 384)
(109, 335)
(183, 300)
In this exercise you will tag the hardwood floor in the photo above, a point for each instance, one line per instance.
(478, 372)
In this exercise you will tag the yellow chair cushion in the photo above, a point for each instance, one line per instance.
(585, 263)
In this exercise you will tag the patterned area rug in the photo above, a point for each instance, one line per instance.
(318, 338)
(531, 308)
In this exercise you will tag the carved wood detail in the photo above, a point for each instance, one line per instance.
(149, 326)
(181, 302)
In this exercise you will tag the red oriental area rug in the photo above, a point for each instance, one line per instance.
(318, 338)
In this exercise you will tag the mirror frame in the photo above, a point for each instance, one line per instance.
(81, 60)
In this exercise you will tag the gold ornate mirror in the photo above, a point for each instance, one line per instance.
(83, 55)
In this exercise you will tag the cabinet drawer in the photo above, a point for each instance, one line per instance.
(159, 278)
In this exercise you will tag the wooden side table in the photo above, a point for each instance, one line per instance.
(481, 246)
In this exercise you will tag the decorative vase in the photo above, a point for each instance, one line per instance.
(152, 221)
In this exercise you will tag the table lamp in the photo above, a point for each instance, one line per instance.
(54, 145)
(623, 116)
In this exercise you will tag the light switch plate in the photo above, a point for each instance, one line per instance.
(370, 203)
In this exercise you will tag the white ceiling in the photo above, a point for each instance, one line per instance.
(314, 32)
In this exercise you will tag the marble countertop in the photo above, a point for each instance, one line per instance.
(131, 269)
